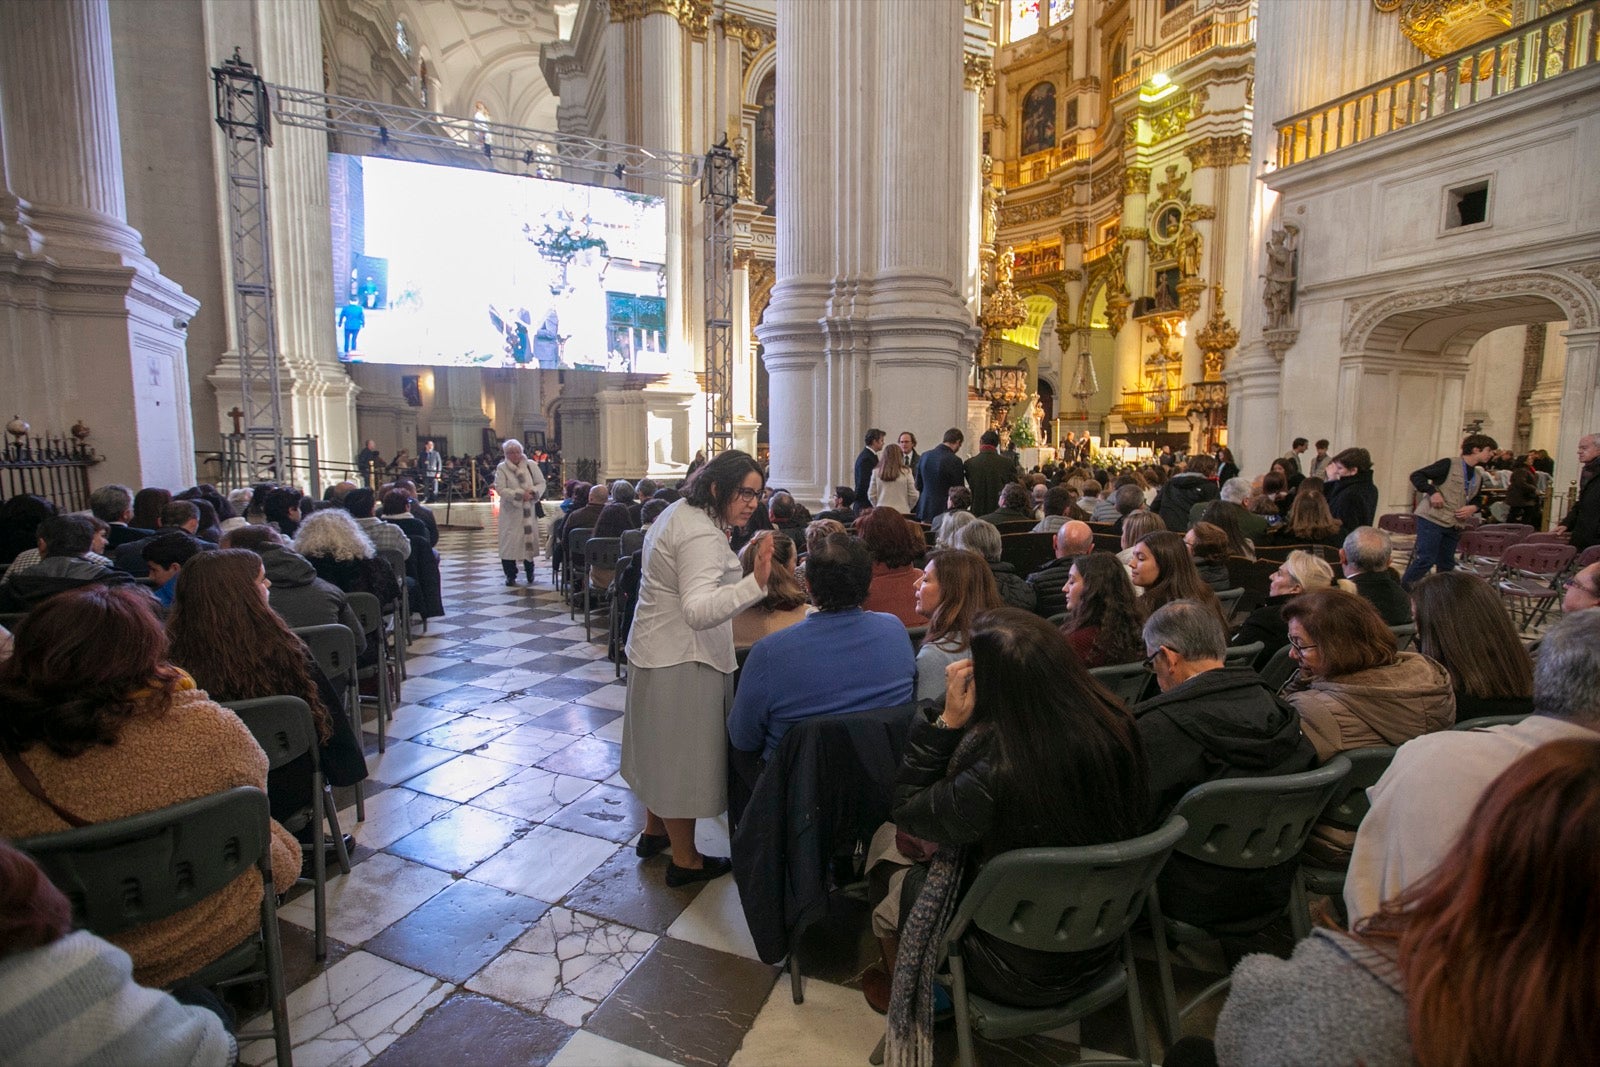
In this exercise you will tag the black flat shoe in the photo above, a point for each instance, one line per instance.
(651, 845)
(714, 867)
(511, 581)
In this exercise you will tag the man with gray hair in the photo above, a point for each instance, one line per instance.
(1365, 558)
(1212, 721)
(1128, 499)
(984, 538)
(1423, 801)
(1234, 492)
(113, 505)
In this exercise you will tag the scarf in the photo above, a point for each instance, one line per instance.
(909, 1041)
(524, 478)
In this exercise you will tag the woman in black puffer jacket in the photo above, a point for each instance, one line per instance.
(1352, 494)
(1029, 751)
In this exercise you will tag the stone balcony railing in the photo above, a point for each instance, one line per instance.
(1520, 58)
(1202, 40)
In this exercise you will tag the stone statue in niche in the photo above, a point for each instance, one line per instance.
(991, 204)
(766, 145)
(1039, 118)
(1188, 250)
(1282, 263)
(1116, 272)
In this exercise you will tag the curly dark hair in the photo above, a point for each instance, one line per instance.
(86, 661)
(1109, 602)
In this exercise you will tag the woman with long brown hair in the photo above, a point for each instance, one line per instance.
(897, 545)
(955, 587)
(1162, 567)
(1463, 625)
(236, 648)
(1493, 958)
(98, 726)
(1310, 521)
(892, 484)
(1103, 620)
(786, 602)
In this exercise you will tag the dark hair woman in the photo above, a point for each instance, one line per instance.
(236, 648)
(786, 602)
(147, 505)
(1463, 625)
(1225, 517)
(681, 661)
(1310, 522)
(1162, 567)
(20, 517)
(1029, 751)
(896, 545)
(1492, 958)
(105, 727)
(1208, 547)
(1103, 620)
(282, 510)
(955, 587)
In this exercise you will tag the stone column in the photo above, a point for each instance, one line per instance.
(868, 323)
(1580, 402)
(96, 332)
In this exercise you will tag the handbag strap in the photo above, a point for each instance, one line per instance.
(30, 781)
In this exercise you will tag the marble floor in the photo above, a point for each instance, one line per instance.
(496, 913)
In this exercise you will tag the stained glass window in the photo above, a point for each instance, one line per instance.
(402, 39)
(1024, 19)
(1060, 11)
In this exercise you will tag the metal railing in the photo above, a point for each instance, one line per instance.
(55, 468)
(1522, 57)
(1202, 40)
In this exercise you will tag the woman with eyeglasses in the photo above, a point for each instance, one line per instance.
(1300, 573)
(681, 661)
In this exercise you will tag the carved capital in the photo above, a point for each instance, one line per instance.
(1075, 232)
(692, 15)
(1223, 151)
(752, 36)
(1134, 233)
(977, 72)
(1136, 181)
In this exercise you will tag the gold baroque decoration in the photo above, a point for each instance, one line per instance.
(1130, 233)
(1047, 207)
(692, 15)
(1226, 151)
(1439, 27)
(762, 277)
(1136, 181)
(977, 72)
(1108, 183)
(1075, 232)
(753, 37)
(743, 180)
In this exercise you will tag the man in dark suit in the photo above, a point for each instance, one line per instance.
(866, 463)
(987, 472)
(908, 448)
(939, 472)
(113, 505)
(1583, 520)
(1365, 560)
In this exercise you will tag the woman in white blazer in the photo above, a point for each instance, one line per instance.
(681, 662)
(892, 484)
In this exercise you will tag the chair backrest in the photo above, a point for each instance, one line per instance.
(632, 542)
(368, 610)
(137, 870)
(1126, 680)
(1229, 598)
(10, 619)
(281, 725)
(1108, 542)
(1242, 655)
(1586, 557)
(602, 552)
(1251, 823)
(1521, 529)
(396, 562)
(1027, 551)
(1488, 720)
(1404, 635)
(576, 539)
(915, 634)
(1399, 523)
(1278, 669)
(1545, 560)
(1349, 804)
(1254, 577)
(332, 645)
(1065, 899)
(1486, 544)
(1545, 539)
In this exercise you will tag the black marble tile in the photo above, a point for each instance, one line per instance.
(552, 663)
(471, 633)
(455, 935)
(587, 757)
(300, 963)
(464, 697)
(545, 643)
(604, 811)
(685, 1003)
(839, 947)
(633, 892)
(562, 688)
(573, 718)
(474, 1031)
(459, 839)
(463, 672)
(465, 651)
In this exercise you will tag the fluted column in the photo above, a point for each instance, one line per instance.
(661, 126)
(868, 323)
(1580, 401)
(64, 152)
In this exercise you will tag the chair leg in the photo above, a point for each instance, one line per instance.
(1141, 1036)
(1170, 1025)
(877, 1053)
(272, 948)
(353, 698)
(795, 989)
(958, 994)
(319, 875)
(1299, 908)
(331, 812)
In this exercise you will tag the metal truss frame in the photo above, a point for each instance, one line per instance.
(246, 107)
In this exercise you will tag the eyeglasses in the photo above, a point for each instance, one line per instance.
(746, 493)
(1298, 647)
(1150, 660)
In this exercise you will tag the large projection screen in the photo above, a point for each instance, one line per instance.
(447, 266)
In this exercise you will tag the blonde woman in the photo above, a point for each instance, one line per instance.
(786, 602)
(1300, 573)
(892, 484)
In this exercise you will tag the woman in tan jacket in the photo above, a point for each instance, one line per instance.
(104, 727)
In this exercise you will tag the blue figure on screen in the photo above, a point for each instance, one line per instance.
(351, 319)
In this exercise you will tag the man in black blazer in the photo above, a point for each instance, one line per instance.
(908, 447)
(940, 471)
(866, 463)
(1583, 520)
(988, 472)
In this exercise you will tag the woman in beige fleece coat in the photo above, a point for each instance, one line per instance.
(110, 729)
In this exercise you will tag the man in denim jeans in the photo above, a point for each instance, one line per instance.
(1450, 494)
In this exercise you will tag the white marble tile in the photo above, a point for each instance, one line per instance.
(391, 815)
(594, 671)
(564, 966)
(716, 920)
(533, 795)
(520, 709)
(571, 633)
(376, 893)
(439, 629)
(412, 719)
(508, 639)
(595, 649)
(419, 665)
(427, 646)
(352, 1011)
(512, 680)
(610, 697)
(591, 1050)
(526, 745)
(611, 731)
(462, 778)
(834, 1025)
(545, 863)
(501, 611)
(417, 688)
(405, 759)
(505, 657)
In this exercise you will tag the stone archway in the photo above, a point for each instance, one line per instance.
(1404, 362)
